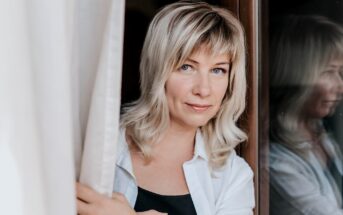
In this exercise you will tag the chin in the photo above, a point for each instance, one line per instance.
(331, 112)
(323, 114)
(200, 123)
(195, 121)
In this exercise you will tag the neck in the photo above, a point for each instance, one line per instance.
(310, 128)
(176, 140)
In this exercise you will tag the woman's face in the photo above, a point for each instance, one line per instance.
(327, 91)
(195, 90)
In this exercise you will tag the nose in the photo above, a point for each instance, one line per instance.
(202, 85)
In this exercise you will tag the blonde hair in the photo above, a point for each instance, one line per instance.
(301, 48)
(174, 33)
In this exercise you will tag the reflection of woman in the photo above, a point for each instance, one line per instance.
(176, 150)
(306, 86)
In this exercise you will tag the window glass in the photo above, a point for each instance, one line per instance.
(305, 111)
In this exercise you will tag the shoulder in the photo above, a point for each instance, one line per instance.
(235, 174)
(235, 186)
(285, 161)
(236, 170)
(280, 153)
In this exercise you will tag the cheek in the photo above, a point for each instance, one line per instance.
(324, 88)
(176, 89)
(316, 107)
(221, 90)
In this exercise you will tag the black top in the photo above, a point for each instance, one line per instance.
(173, 205)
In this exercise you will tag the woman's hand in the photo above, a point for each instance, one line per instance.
(90, 202)
(151, 212)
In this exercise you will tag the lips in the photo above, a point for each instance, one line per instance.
(331, 103)
(199, 107)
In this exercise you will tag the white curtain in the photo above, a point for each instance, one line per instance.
(60, 72)
(100, 47)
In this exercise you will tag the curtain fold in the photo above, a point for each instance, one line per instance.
(99, 149)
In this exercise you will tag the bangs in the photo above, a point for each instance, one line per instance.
(337, 50)
(334, 32)
(210, 31)
(331, 48)
(217, 43)
(327, 40)
(218, 39)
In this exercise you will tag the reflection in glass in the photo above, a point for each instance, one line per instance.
(306, 68)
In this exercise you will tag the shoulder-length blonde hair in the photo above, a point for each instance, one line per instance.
(302, 46)
(174, 33)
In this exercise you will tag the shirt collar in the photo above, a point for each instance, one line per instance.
(123, 154)
(332, 150)
(200, 148)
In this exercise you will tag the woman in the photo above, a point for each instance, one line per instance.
(306, 86)
(176, 150)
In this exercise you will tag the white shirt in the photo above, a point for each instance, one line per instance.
(229, 190)
(301, 186)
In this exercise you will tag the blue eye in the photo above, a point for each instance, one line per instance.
(186, 68)
(218, 71)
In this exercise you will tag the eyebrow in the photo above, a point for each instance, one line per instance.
(196, 62)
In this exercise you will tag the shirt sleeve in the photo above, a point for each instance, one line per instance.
(237, 195)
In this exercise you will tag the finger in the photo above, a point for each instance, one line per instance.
(82, 207)
(151, 212)
(86, 194)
